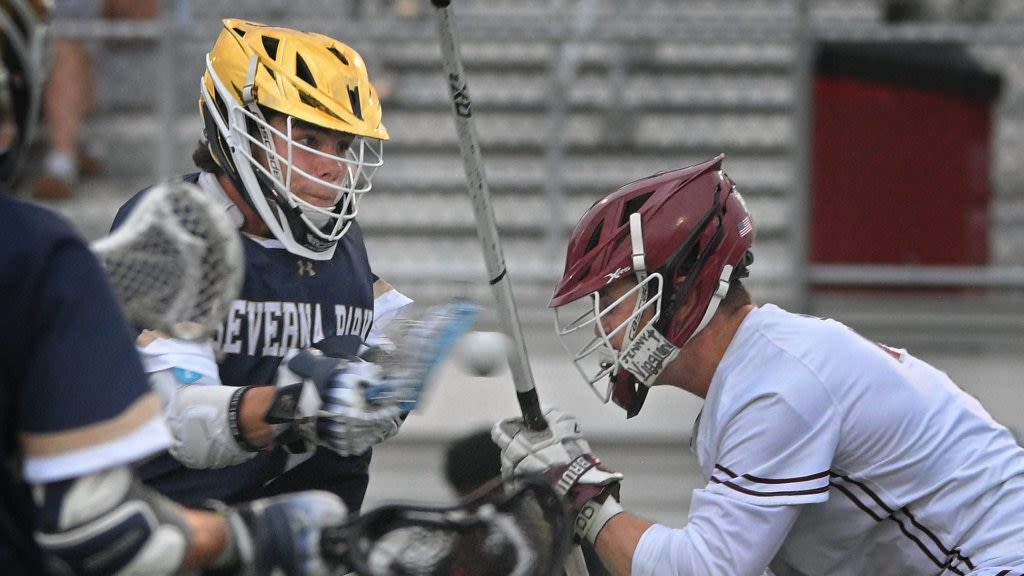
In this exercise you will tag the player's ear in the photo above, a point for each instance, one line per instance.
(8, 135)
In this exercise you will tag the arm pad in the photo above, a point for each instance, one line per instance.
(108, 523)
(203, 421)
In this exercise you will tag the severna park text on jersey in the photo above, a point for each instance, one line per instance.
(273, 328)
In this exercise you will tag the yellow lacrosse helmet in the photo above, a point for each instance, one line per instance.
(254, 71)
(23, 67)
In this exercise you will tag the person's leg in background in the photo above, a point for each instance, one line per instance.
(70, 95)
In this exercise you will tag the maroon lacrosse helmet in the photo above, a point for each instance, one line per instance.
(696, 234)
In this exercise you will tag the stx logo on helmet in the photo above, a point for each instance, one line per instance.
(460, 95)
(616, 274)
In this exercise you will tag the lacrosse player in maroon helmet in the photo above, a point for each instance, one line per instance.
(824, 453)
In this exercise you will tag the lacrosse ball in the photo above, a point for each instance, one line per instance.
(484, 353)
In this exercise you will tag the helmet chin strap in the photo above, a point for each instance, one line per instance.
(716, 299)
(249, 98)
(636, 239)
(648, 351)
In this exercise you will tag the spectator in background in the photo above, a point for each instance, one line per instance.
(70, 95)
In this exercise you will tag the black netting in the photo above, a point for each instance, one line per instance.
(525, 533)
(175, 263)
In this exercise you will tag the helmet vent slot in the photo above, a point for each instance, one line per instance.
(314, 103)
(302, 71)
(240, 32)
(595, 236)
(270, 45)
(632, 206)
(340, 56)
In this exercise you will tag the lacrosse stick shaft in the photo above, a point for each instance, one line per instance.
(487, 230)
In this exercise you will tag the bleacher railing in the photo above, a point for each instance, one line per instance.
(795, 23)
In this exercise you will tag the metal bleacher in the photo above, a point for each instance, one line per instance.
(573, 98)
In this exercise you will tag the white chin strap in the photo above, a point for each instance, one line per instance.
(636, 239)
(716, 299)
(647, 351)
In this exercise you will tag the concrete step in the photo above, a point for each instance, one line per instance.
(417, 213)
(720, 92)
(518, 131)
(658, 55)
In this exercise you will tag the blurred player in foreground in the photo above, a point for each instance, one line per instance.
(824, 453)
(77, 410)
(293, 136)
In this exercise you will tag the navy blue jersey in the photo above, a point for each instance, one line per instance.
(286, 302)
(75, 398)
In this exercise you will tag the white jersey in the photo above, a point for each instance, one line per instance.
(844, 457)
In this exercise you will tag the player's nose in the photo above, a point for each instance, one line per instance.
(328, 169)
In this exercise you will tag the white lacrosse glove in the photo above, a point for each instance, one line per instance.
(295, 408)
(526, 452)
(562, 455)
(351, 419)
(323, 400)
(349, 403)
(281, 535)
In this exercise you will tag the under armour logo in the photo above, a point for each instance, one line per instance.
(306, 268)
(616, 275)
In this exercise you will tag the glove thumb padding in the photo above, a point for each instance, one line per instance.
(591, 492)
(281, 535)
(526, 452)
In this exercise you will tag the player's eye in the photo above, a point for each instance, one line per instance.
(342, 145)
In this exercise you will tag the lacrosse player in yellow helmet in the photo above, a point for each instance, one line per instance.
(77, 411)
(293, 137)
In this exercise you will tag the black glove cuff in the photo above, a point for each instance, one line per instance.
(234, 412)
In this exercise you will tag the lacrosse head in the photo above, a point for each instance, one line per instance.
(176, 263)
(292, 119)
(420, 347)
(523, 533)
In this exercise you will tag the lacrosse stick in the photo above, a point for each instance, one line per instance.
(421, 345)
(523, 533)
(176, 263)
(487, 230)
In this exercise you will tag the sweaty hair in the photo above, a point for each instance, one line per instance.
(203, 159)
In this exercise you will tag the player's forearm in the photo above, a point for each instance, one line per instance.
(209, 538)
(254, 408)
(618, 541)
